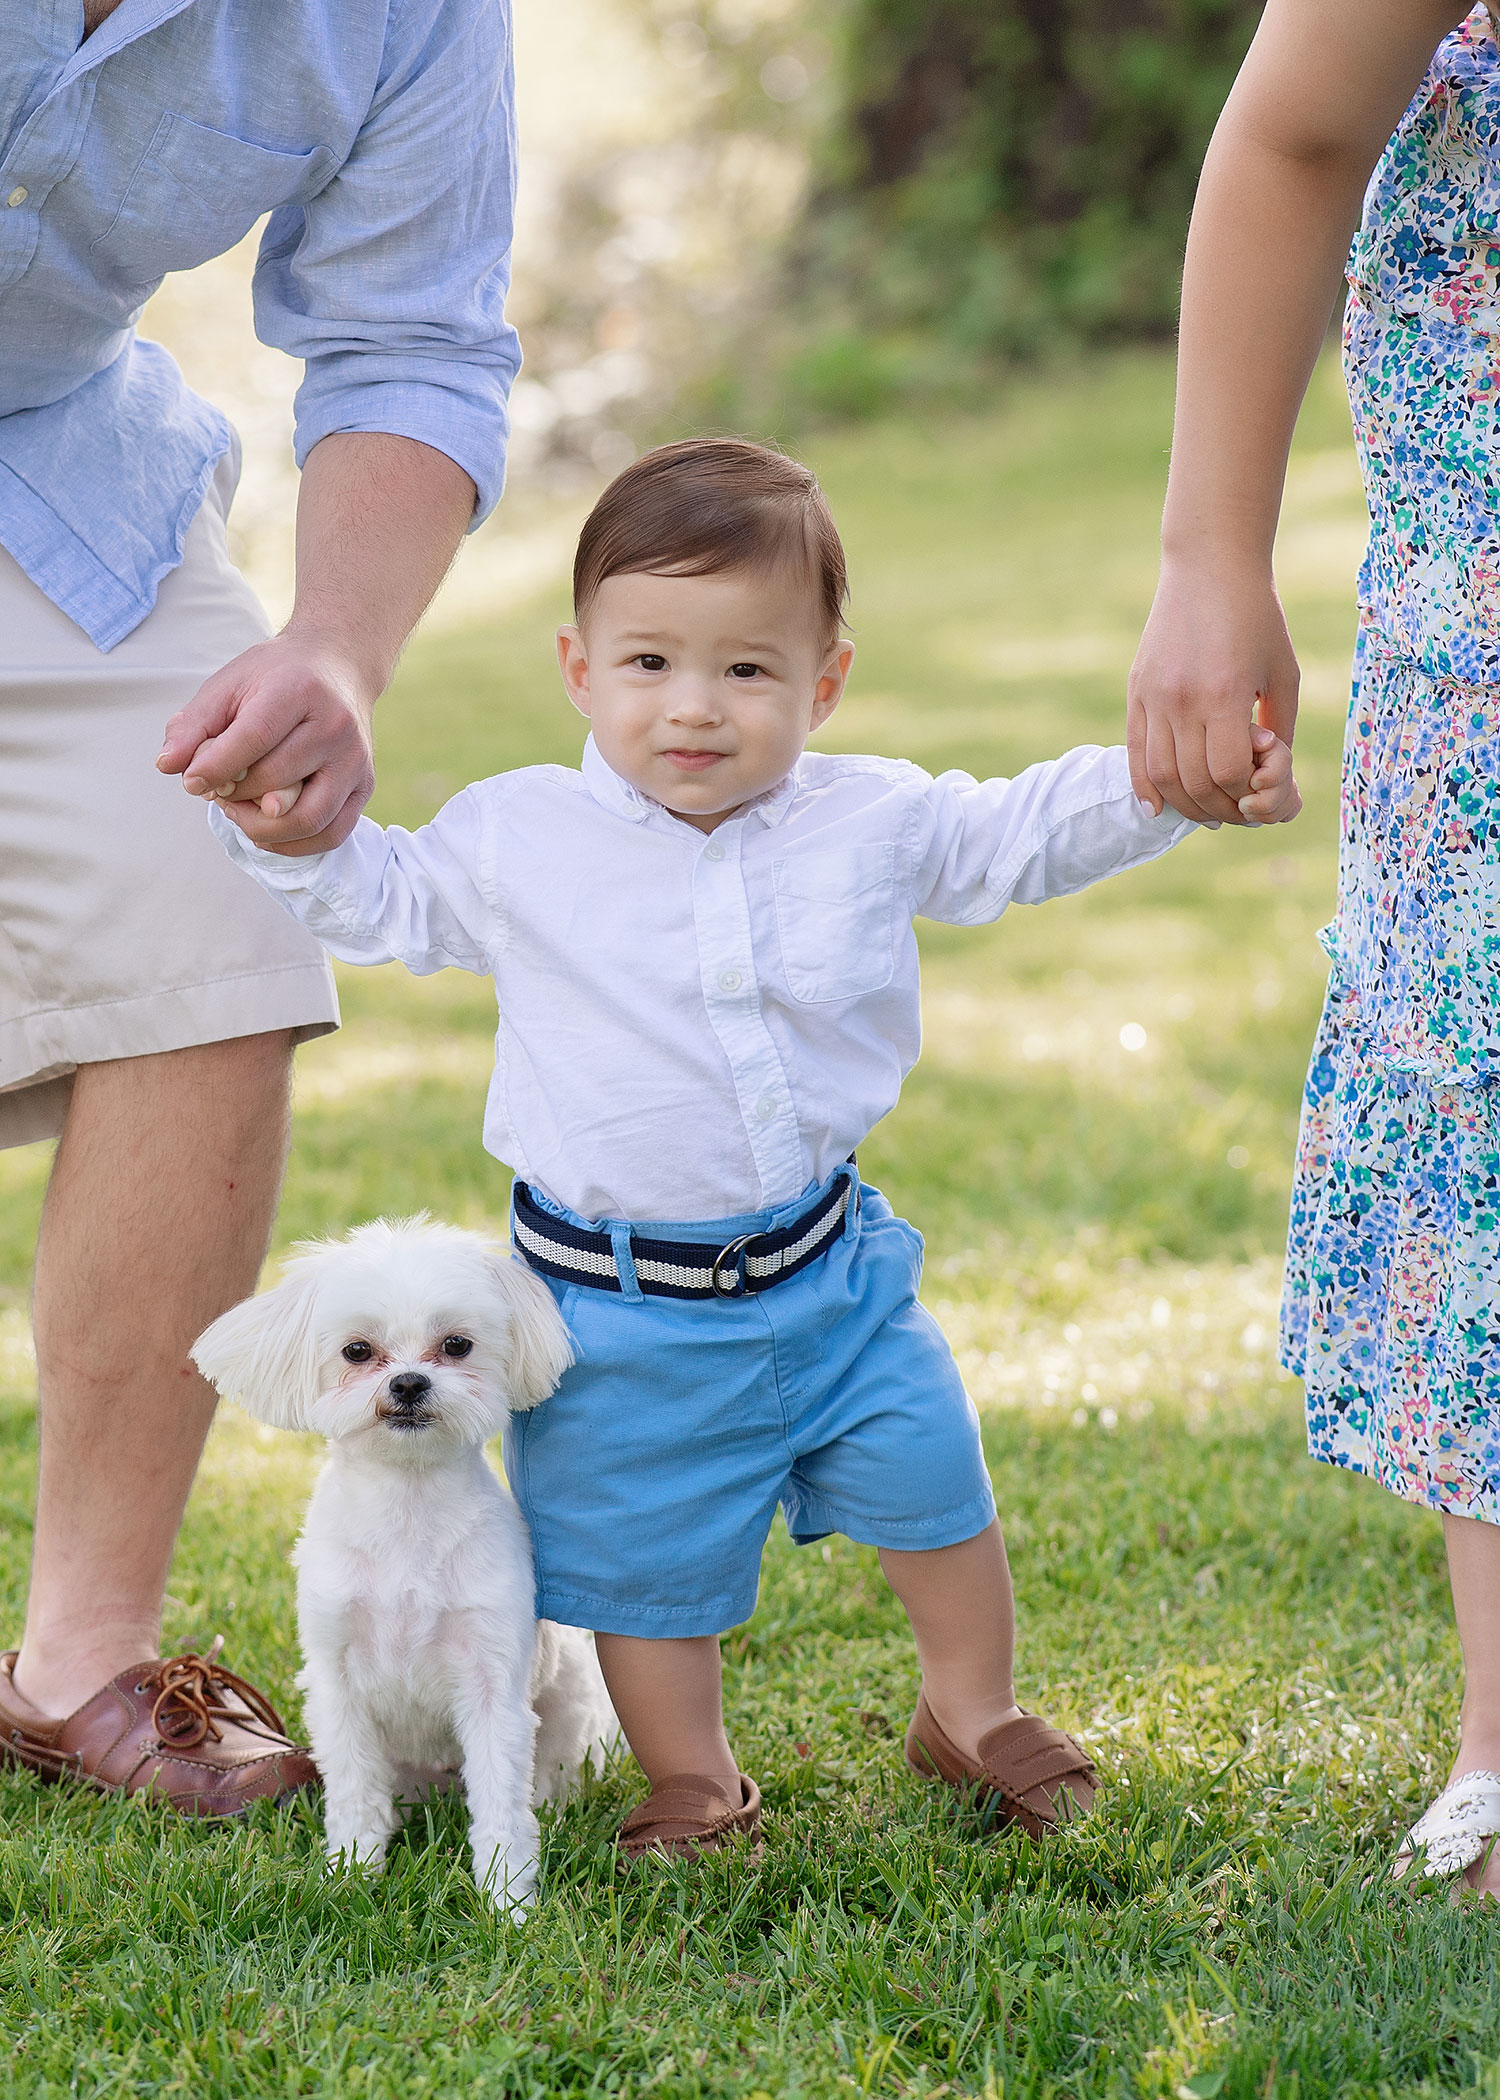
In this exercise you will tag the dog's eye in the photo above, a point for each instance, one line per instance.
(357, 1352)
(457, 1345)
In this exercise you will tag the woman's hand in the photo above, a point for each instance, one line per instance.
(1215, 657)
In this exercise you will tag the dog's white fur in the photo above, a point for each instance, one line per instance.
(415, 1590)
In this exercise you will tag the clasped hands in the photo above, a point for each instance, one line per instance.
(1212, 699)
(281, 739)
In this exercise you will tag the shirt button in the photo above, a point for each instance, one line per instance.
(17, 196)
(765, 1108)
(713, 850)
(729, 980)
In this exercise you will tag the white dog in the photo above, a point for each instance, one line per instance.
(406, 1345)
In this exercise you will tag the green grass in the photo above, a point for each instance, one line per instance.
(1258, 1650)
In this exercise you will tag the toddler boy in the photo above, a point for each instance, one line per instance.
(706, 972)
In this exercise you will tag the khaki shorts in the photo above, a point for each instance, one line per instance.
(124, 929)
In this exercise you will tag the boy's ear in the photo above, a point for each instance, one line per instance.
(831, 682)
(573, 662)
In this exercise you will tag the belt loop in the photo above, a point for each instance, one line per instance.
(852, 1214)
(630, 1288)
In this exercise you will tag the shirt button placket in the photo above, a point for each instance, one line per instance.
(724, 934)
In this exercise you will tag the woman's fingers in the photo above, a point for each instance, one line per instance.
(1169, 766)
(1146, 791)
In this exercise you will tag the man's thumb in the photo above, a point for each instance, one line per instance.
(208, 714)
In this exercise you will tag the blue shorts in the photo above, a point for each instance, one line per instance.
(651, 1476)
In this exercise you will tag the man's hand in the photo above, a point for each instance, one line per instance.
(282, 737)
(1215, 657)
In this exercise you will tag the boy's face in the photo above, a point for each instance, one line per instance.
(703, 690)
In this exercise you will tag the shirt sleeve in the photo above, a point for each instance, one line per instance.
(385, 895)
(1055, 828)
(390, 283)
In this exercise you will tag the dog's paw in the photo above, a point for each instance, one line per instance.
(508, 1877)
(364, 1849)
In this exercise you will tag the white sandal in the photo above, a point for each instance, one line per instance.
(1458, 1829)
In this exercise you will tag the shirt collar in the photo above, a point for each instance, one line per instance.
(609, 790)
(613, 793)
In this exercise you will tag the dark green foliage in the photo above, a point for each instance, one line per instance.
(1006, 169)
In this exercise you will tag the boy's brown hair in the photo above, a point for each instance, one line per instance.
(705, 505)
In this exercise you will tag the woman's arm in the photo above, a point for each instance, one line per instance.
(1321, 90)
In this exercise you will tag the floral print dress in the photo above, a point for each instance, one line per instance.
(1392, 1304)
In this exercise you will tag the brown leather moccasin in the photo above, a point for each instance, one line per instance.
(1038, 1776)
(184, 1730)
(689, 1814)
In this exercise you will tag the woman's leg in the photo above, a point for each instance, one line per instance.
(962, 1612)
(1474, 1572)
(669, 1697)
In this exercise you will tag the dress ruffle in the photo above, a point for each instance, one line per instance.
(1391, 1312)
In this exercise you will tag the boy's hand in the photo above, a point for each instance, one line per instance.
(1274, 797)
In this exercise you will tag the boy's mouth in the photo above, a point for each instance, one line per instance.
(694, 761)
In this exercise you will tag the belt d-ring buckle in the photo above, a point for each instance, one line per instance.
(736, 1251)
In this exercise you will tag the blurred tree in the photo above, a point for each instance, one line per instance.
(1006, 169)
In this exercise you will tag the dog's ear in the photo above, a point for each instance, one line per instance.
(541, 1348)
(263, 1353)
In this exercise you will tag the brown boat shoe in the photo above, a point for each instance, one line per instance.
(1037, 1775)
(688, 1815)
(184, 1730)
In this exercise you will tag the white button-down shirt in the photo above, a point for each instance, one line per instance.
(697, 1027)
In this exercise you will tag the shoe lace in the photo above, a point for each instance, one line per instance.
(190, 1699)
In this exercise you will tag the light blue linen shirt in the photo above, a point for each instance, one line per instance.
(380, 136)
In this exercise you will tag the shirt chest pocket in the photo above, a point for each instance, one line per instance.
(836, 917)
(194, 193)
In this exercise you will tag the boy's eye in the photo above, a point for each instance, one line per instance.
(745, 671)
(357, 1352)
(649, 662)
(457, 1345)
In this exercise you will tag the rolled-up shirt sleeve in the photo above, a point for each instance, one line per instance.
(411, 897)
(1056, 828)
(391, 281)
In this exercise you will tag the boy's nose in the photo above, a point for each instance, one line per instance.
(693, 703)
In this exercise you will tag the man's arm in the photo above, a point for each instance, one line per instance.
(1316, 100)
(378, 522)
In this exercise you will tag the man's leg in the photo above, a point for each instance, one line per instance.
(157, 1219)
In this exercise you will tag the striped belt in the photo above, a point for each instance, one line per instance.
(680, 1268)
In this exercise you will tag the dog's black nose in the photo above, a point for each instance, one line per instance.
(407, 1387)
